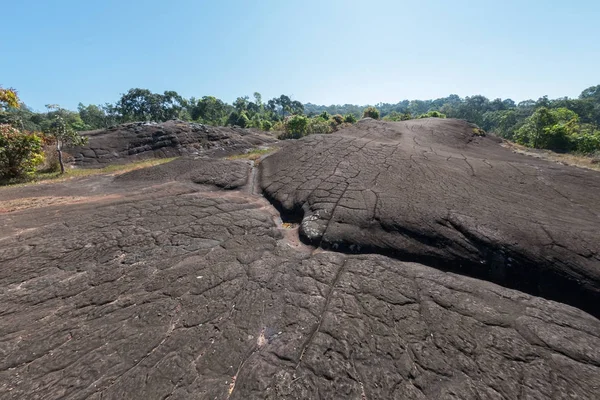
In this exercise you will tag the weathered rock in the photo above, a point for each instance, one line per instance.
(152, 286)
(140, 140)
(432, 191)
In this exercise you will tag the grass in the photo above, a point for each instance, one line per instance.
(574, 159)
(73, 173)
(252, 155)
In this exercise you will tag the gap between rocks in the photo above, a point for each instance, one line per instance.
(524, 275)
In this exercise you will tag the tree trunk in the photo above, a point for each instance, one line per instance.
(60, 160)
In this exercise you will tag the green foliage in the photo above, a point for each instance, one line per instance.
(95, 117)
(318, 125)
(338, 119)
(586, 142)
(296, 127)
(20, 152)
(350, 118)
(325, 115)
(396, 116)
(548, 129)
(432, 114)
(62, 130)
(371, 112)
(143, 105)
(238, 118)
(209, 110)
(8, 98)
(267, 125)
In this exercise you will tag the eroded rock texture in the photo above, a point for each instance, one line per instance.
(140, 140)
(434, 192)
(158, 284)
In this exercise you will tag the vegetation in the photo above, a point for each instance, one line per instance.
(61, 132)
(253, 155)
(563, 124)
(20, 153)
(56, 176)
(371, 112)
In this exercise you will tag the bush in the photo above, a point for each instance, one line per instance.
(338, 119)
(371, 112)
(239, 119)
(51, 162)
(396, 116)
(318, 125)
(433, 114)
(325, 115)
(267, 125)
(350, 118)
(295, 127)
(20, 152)
(586, 143)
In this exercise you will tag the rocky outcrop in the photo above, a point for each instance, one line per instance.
(140, 140)
(181, 281)
(435, 192)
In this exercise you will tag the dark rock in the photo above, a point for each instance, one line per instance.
(434, 192)
(158, 284)
(139, 140)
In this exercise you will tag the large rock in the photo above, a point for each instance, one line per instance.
(435, 192)
(140, 140)
(161, 284)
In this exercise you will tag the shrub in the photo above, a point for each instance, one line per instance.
(20, 152)
(240, 119)
(350, 118)
(325, 115)
(433, 114)
(338, 119)
(318, 125)
(296, 127)
(396, 116)
(267, 125)
(371, 112)
(586, 143)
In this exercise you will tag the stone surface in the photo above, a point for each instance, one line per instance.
(181, 282)
(141, 140)
(432, 191)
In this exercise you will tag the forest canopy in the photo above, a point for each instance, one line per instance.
(562, 124)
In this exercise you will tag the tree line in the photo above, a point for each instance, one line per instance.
(562, 124)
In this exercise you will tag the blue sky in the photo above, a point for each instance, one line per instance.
(324, 52)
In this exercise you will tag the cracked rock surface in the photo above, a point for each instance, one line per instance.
(431, 191)
(142, 140)
(180, 282)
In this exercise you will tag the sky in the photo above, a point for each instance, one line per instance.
(323, 52)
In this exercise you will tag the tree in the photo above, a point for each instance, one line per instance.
(20, 152)
(8, 98)
(371, 112)
(143, 105)
(62, 132)
(591, 93)
(549, 129)
(296, 127)
(210, 110)
(92, 116)
(350, 118)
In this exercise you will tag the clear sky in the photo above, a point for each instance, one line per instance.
(323, 52)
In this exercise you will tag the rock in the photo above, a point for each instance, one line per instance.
(160, 284)
(432, 191)
(139, 140)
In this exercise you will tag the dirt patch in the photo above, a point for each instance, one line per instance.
(564, 159)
